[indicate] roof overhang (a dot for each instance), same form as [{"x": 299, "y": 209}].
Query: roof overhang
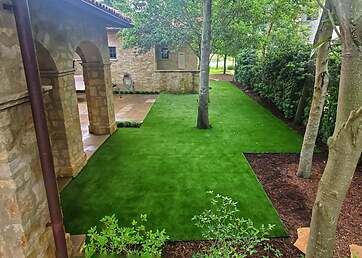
[{"x": 112, "y": 17}]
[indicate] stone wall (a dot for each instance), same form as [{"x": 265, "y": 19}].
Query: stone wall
[
  {"x": 24, "y": 211},
  {"x": 178, "y": 81},
  {"x": 145, "y": 72},
  {"x": 173, "y": 62},
  {"x": 59, "y": 29},
  {"x": 61, "y": 36}
]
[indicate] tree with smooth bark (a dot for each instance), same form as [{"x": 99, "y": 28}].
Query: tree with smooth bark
[
  {"x": 322, "y": 45},
  {"x": 345, "y": 146},
  {"x": 203, "y": 110}
]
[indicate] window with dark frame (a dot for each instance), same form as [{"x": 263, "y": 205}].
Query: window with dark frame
[
  {"x": 165, "y": 53},
  {"x": 112, "y": 53}
]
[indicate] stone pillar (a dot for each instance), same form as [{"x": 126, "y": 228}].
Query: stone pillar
[
  {"x": 24, "y": 215},
  {"x": 98, "y": 88},
  {"x": 64, "y": 123}
]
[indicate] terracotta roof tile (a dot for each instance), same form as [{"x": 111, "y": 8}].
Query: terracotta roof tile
[{"x": 109, "y": 9}]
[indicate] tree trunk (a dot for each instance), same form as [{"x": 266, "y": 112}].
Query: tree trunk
[
  {"x": 217, "y": 61},
  {"x": 203, "y": 112},
  {"x": 225, "y": 61},
  {"x": 302, "y": 103},
  {"x": 267, "y": 38},
  {"x": 344, "y": 152},
  {"x": 322, "y": 42},
  {"x": 345, "y": 146}
]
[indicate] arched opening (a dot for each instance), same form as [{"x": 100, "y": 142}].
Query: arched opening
[
  {"x": 61, "y": 110},
  {"x": 94, "y": 93}
]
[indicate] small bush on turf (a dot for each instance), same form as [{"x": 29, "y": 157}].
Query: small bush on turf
[
  {"x": 232, "y": 236},
  {"x": 230, "y": 67},
  {"x": 129, "y": 124},
  {"x": 113, "y": 240}
]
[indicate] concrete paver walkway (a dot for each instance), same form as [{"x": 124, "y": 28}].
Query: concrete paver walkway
[{"x": 127, "y": 107}]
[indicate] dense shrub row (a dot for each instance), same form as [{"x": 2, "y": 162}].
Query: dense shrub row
[{"x": 281, "y": 75}]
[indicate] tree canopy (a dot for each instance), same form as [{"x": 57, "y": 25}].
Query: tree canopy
[{"x": 236, "y": 24}]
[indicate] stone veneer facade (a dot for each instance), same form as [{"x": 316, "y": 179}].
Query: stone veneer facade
[
  {"x": 150, "y": 73},
  {"x": 24, "y": 212},
  {"x": 60, "y": 29}
]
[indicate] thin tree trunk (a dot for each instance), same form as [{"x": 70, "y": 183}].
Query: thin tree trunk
[
  {"x": 203, "y": 112},
  {"x": 302, "y": 103},
  {"x": 267, "y": 38},
  {"x": 345, "y": 146},
  {"x": 225, "y": 61},
  {"x": 322, "y": 42},
  {"x": 217, "y": 61}
]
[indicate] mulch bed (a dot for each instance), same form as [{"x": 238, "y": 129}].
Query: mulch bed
[{"x": 293, "y": 197}]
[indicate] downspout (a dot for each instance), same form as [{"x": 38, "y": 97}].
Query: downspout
[{"x": 27, "y": 46}]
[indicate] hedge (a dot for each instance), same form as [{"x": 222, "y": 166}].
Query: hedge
[{"x": 281, "y": 75}]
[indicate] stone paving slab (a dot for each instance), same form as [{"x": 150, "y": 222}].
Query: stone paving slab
[{"x": 127, "y": 107}]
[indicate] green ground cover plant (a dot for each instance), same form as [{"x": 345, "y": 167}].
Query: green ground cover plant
[
  {"x": 232, "y": 236},
  {"x": 165, "y": 168},
  {"x": 113, "y": 240}
]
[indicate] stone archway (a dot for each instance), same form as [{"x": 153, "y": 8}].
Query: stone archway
[
  {"x": 98, "y": 89},
  {"x": 62, "y": 115}
]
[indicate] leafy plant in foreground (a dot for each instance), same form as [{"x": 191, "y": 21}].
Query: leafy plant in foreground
[
  {"x": 232, "y": 236},
  {"x": 113, "y": 240}
]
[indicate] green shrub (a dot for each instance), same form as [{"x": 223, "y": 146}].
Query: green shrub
[
  {"x": 281, "y": 75},
  {"x": 119, "y": 91},
  {"x": 233, "y": 236},
  {"x": 230, "y": 67},
  {"x": 129, "y": 124},
  {"x": 113, "y": 240}
]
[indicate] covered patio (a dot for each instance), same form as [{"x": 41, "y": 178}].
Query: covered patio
[{"x": 59, "y": 29}]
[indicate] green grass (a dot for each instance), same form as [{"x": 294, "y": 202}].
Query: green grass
[
  {"x": 165, "y": 168},
  {"x": 220, "y": 70}
]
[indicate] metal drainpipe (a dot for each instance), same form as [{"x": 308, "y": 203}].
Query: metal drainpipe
[{"x": 27, "y": 46}]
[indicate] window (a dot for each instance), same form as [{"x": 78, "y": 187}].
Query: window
[
  {"x": 112, "y": 53},
  {"x": 164, "y": 53}
]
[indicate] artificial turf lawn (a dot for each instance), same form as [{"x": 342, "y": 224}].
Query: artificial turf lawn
[{"x": 165, "y": 168}]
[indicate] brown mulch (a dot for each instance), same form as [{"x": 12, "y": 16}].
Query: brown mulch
[
  {"x": 293, "y": 197},
  {"x": 185, "y": 249}
]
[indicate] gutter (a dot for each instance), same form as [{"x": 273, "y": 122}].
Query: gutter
[{"x": 23, "y": 25}]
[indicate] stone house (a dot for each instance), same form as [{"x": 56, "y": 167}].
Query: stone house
[
  {"x": 161, "y": 69},
  {"x": 60, "y": 28}
]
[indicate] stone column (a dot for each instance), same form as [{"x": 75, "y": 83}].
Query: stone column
[
  {"x": 98, "y": 88},
  {"x": 64, "y": 123},
  {"x": 24, "y": 215}
]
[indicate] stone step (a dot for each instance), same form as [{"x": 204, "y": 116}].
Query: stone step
[{"x": 77, "y": 245}]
